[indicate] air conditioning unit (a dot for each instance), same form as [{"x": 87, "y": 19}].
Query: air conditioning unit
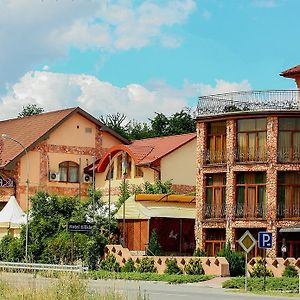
[
  {"x": 53, "y": 176},
  {"x": 86, "y": 178}
]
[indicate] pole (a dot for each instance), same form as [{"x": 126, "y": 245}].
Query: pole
[
  {"x": 7, "y": 137},
  {"x": 109, "y": 191},
  {"x": 124, "y": 243},
  {"x": 79, "y": 184},
  {"x": 94, "y": 188},
  {"x": 265, "y": 269},
  {"x": 246, "y": 271}
]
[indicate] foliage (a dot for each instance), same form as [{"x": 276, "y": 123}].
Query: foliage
[
  {"x": 260, "y": 269},
  {"x": 125, "y": 193},
  {"x": 290, "y": 271},
  {"x": 199, "y": 252},
  {"x": 158, "y": 187},
  {"x": 194, "y": 267},
  {"x": 49, "y": 241},
  {"x": 257, "y": 284},
  {"x": 153, "y": 246},
  {"x": 30, "y": 110},
  {"x": 129, "y": 266},
  {"x": 181, "y": 278},
  {"x": 146, "y": 265},
  {"x": 161, "y": 125},
  {"x": 172, "y": 266},
  {"x": 110, "y": 264},
  {"x": 235, "y": 259}
]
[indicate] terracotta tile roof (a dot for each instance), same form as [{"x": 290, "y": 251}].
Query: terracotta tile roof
[
  {"x": 147, "y": 151},
  {"x": 290, "y": 72},
  {"x": 29, "y": 131}
]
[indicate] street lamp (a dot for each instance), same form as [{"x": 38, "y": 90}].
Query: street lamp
[{"x": 7, "y": 137}]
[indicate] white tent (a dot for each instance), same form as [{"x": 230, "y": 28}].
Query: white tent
[{"x": 12, "y": 215}]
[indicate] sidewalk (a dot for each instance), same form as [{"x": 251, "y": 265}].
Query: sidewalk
[{"x": 214, "y": 283}]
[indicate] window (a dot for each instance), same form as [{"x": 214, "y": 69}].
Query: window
[
  {"x": 139, "y": 171},
  {"x": 110, "y": 172},
  {"x": 288, "y": 204},
  {"x": 215, "y": 196},
  {"x": 252, "y": 140},
  {"x": 216, "y": 142},
  {"x": 127, "y": 166},
  {"x": 215, "y": 240},
  {"x": 119, "y": 166},
  {"x": 69, "y": 171},
  {"x": 289, "y": 139},
  {"x": 250, "y": 195}
]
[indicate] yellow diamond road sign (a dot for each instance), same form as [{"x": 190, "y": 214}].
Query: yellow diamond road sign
[{"x": 247, "y": 241}]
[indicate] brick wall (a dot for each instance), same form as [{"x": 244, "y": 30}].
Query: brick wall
[{"x": 231, "y": 167}]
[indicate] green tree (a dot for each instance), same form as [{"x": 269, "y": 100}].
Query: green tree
[
  {"x": 181, "y": 122},
  {"x": 154, "y": 246},
  {"x": 116, "y": 122},
  {"x": 30, "y": 110},
  {"x": 160, "y": 125}
]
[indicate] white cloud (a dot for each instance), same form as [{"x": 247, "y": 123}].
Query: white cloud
[
  {"x": 33, "y": 32},
  {"x": 54, "y": 91}
]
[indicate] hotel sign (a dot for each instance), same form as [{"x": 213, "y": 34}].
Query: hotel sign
[
  {"x": 80, "y": 227},
  {"x": 6, "y": 182}
]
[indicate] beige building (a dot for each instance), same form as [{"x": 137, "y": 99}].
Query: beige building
[
  {"x": 162, "y": 158},
  {"x": 59, "y": 145}
]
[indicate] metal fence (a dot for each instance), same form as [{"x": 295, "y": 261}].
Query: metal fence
[{"x": 41, "y": 267}]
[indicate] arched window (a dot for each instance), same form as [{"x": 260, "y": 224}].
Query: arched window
[{"x": 69, "y": 171}]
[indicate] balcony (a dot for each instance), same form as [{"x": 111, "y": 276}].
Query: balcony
[
  {"x": 212, "y": 212},
  {"x": 247, "y": 100},
  {"x": 250, "y": 212},
  {"x": 288, "y": 211}
]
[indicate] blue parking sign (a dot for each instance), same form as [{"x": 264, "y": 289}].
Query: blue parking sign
[{"x": 265, "y": 240}]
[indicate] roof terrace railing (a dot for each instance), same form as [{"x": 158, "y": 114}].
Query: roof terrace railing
[{"x": 248, "y": 101}]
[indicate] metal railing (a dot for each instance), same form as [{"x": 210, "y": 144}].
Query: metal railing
[
  {"x": 215, "y": 213},
  {"x": 247, "y": 100},
  {"x": 284, "y": 212},
  {"x": 243, "y": 213},
  {"x": 40, "y": 267}
]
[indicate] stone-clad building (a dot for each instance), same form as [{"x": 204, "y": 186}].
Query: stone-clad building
[{"x": 248, "y": 170}]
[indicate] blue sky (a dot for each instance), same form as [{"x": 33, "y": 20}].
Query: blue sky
[{"x": 141, "y": 57}]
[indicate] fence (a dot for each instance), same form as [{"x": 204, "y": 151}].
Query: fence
[{"x": 40, "y": 267}]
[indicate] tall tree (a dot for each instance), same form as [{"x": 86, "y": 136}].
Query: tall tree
[
  {"x": 116, "y": 122},
  {"x": 30, "y": 110},
  {"x": 181, "y": 122},
  {"x": 160, "y": 125}
]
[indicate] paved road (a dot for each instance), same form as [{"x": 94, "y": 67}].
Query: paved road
[
  {"x": 165, "y": 291},
  {"x": 151, "y": 290}
]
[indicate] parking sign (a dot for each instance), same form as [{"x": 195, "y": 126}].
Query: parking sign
[{"x": 265, "y": 240}]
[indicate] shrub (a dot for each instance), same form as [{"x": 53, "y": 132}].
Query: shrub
[
  {"x": 154, "y": 246},
  {"x": 146, "y": 265},
  {"x": 235, "y": 259},
  {"x": 172, "y": 267},
  {"x": 260, "y": 269},
  {"x": 129, "y": 266},
  {"x": 199, "y": 252},
  {"x": 290, "y": 271},
  {"x": 194, "y": 267},
  {"x": 110, "y": 264}
]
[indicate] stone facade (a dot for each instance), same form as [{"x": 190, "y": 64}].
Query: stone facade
[{"x": 230, "y": 223}]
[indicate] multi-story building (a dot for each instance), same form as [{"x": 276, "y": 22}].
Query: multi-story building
[{"x": 248, "y": 170}]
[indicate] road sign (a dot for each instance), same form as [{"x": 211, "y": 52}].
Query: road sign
[
  {"x": 265, "y": 240},
  {"x": 247, "y": 241}
]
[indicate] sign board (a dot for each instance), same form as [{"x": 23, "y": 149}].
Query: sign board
[
  {"x": 247, "y": 241},
  {"x": 265, "y": 240},
  {"x": 80, "y": 227}
]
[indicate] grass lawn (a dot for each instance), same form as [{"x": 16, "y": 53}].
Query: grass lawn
[{"x": 148, "y": 276}]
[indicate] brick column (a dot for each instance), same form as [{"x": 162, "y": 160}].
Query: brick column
[
  {"x": 200, "y": 189},
  {"x": 230, "y": 179},
  {"x": 271, "y": 190}
]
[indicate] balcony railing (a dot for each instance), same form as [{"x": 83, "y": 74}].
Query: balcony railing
[
  {"x": 214, "y": 212},
  {"x": 283, "y": 211},
  {"x": 250, "y": 213},
  {"x": 247, "y": 100}
]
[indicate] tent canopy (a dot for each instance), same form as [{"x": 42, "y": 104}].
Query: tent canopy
[
  {"x": 150, "y": 209},
  {"x": 12, "y": 215}
]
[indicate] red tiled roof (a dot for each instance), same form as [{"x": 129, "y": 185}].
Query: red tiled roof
[
  {"x": 290, "y": 72},
  {"x": 31, "y": 130},
  {"x": 148, "y": 151}
]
